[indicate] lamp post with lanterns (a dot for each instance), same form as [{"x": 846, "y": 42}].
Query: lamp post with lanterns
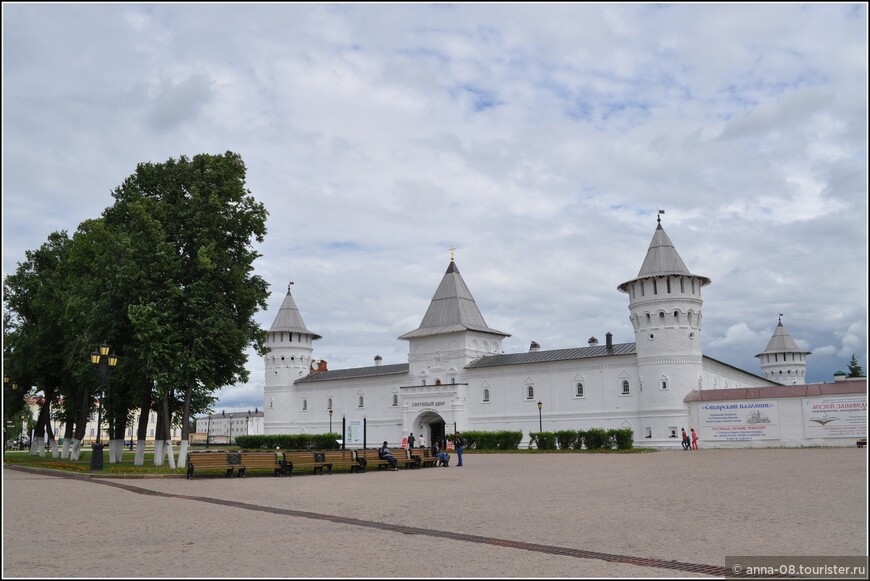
[
  {"x": 540, "y": 421},
  {"x": 208, "y": 431},
  {"x": 104, "y": 363},
  {"x": 330, "y": 420},
  {"x": 21, "y": 415}
]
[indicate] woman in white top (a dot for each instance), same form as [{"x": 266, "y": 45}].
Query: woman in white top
[{"x": 421, "y": 441}]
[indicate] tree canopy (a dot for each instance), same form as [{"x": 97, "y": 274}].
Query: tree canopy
[{"x": 165, "y": 276}]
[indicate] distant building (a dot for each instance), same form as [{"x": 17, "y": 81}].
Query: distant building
[{"x": 223, "y": 428}]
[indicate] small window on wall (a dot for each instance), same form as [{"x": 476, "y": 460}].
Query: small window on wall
[
  {"x": 329, "y": 404},
  {"x": 579, "y": 390},
  {"x": 395, "y": 400},
  {"x": 673, "y": 431},
  {"x": 304, "y": 404},
  {"x": 530, "y": 393},
  {"x": 485, "y": 395},
  {"x": 626, "y": 388},
  {"x": 664, "y": 383},
  {"x": 360, "y": 402},
  {"x": 649, "y": 432}
]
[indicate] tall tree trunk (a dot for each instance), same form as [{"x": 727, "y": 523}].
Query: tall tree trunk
[
  {"x": 81, "y": 425},
  {"x": 37, "y": 441},
  {"x": 142, "y": 429},
  {"x": 67, "y": 439},
  {"x": 167, "y": 429},
  {"x": 185, "y": 425},
  {"x": 159, "y": 440}
]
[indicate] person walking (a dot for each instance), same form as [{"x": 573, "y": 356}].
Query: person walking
[
  {"x": 694, "y": 439},
  {"x": 686, "y": 444},
  {"x": 422, "y": 441},
  {"x": 460, "y": 446},
  {"x": 411, "y": 440},
  {"x": 385, "y": 454}
]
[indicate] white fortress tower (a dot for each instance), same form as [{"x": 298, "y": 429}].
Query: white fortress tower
[
  {"x": 783, "y": 361},
  {"x": 452, "y": 334},
  {"x": 290, "y": 343},
  {"x": 665, "y": 305}
]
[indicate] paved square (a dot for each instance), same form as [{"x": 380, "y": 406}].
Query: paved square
[{"x": 690, "y": 507}]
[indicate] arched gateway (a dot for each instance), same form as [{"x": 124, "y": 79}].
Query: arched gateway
[{"x": 431, "y": 425}]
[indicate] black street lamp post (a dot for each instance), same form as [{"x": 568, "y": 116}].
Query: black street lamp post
[
  {"x": 208, "y": 431},
  {"x": 330, "y": 420},
  {"x": 540, "y": 421},
  {"x": 6, "y": 382},
  {"x": 104, "y": 364}
]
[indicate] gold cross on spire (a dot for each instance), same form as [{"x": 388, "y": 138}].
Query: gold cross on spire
[{"x": 452, "y": 254}]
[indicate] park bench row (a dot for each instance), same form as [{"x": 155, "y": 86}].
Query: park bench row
[{"x": 284, "y": 463}]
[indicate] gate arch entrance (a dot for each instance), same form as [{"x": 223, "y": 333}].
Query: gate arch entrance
[{"x": 431, "y": 425}]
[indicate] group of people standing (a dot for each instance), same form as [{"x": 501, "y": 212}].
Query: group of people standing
[
  {"x": 690, "y": 443},
  {"x": 437, "y": 451}
]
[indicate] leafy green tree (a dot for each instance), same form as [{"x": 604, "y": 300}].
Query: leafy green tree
[
  {"x": 34, "y": 299},
  {"x": 855, "y": 370},
  {"x": 191, "y": 224}
]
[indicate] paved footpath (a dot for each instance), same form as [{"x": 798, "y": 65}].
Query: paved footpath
[{"x": 663, "y": 514}]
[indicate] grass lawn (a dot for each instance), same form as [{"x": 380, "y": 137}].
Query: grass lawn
[{"x": 126, "y": 467}]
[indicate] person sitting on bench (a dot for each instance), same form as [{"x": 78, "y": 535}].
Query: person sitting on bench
[
  {"x": 384, "y": 454},
  {"x": 442, "y": 456}
]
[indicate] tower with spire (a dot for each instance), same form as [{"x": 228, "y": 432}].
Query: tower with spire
[
  {"x": 452, "y": 334},
  {"x": 665, "y": 310},
  {"x": 783, "y": 361},
  {"x": 290, "y": 345}
]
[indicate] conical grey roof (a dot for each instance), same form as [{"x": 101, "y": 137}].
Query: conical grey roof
[
  {"x": 452, "y": 310},
  {"x": 289, "y": 319},
  {"x": 781, "y": 342},
  {"x": 662, "y": 260}
]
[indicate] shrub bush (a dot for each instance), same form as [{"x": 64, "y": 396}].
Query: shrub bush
[
  {"x": 596, "y": 439},
  {"x": 567, "y": 439},
  {"x": 623, "y": 438},
  {"x": 501, "y": 440},
  {"x": 289, "y": 442},
  {"x": 542, "y": 440}
]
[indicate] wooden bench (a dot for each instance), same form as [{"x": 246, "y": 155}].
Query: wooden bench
[
  {"x": 342, "y": 458},
  {"x": 373, "y": 458},
  {"x": 425, "y": 456},
  {"x": 861, "y": 443},
  {"x": 212, "y": 461},
  {"x": 313, "y": 460},
  {"x": 264, "y": 460}
]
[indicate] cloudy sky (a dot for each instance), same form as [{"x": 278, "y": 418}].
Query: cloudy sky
[{"x": 538, "y": 140}]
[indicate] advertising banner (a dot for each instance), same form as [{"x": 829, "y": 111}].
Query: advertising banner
[
  {"x": 739, "y": 421},
  {"x": 842, "y": 416}
]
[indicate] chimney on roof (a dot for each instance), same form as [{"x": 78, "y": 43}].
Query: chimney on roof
[
  {"x": 609, "y": 337},
  {"x": 593, "y": 342},
  {"x": 535, "y": 346},
  {"x": 378, "y": 360}
]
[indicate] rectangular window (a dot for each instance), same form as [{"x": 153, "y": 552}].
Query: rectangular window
[{"x": 673, "y": 431}]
